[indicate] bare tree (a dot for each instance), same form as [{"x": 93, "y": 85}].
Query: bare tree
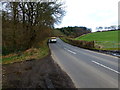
[{"x": 29, "y": 22}]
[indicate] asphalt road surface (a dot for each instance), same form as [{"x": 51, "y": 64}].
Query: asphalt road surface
[{"x": 87, "y": 69}]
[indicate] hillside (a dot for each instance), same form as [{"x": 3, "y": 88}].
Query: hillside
[
  {"x": 106, "y": 40},
  {"x": 74, "y": 31},
  {"x": 57, "y": 33}
]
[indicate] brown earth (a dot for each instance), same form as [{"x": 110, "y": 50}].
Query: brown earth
[{"x": 43, "y": 73}]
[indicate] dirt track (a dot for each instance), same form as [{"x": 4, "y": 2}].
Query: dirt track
[{"x": 34, "y": 73}]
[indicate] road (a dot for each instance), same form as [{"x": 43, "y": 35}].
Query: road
[{"x": 87, "y": 69}]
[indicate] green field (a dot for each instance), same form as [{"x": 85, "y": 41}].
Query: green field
[{"x": 103, "y": 40}]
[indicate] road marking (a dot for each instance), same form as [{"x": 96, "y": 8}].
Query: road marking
[
  {"x": 70, "y": 51},
  {"x": 106, "y": 67},
  {"x": 92, "y": 51},
  {"x": 97, "y": 57}
]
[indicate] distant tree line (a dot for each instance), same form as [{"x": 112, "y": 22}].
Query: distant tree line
[
  {"x": 75, "y": 31},
  {"x": 113, "y": 27},
  {"x": 24, "y": 24}
]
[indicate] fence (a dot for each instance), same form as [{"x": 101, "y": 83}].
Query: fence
[{"x": 107, "y": 45}]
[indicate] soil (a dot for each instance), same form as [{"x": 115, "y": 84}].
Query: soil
[{"x": 43, "y": 73}]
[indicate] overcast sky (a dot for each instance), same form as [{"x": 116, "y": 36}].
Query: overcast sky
[{"x": 90, "y": 13}]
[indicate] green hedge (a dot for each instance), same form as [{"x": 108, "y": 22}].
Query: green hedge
[{"x": 80, "y": 43}]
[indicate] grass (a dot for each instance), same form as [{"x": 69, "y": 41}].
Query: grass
[
  {"x": 32, "y": 53},
  {"x": 64, "y": 39},
  {"x": 100, "y": 36},
  {"x": 103, "y": 40}
]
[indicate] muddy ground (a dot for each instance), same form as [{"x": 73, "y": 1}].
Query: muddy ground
[{"x": 43, "y": 73}]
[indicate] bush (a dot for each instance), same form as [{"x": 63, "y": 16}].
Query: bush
[{"x": 82, "y": 44}]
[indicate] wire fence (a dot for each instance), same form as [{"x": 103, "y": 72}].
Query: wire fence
[{"x": 107, "y": 44}]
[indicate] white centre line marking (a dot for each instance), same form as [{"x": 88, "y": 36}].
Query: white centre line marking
[
  {"x": 70, "y": 51},
  {"x": 106, "y": 67}
]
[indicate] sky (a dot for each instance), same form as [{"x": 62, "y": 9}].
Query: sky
[{"x": 90, "y": 13}]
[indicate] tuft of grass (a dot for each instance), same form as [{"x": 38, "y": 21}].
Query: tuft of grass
[{"x": 32, "y": 53}]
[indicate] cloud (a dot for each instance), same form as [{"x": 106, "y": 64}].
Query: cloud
[{"x": 90, "y": 13}]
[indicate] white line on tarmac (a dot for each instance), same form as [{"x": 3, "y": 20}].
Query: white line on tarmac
[
  {"x": 106, "y": 67},
  {"x": 70, "y": 51}
]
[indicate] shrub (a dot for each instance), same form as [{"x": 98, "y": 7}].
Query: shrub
[{"x": 82, "y": 44}]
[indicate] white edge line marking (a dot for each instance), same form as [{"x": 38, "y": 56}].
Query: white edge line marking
[
  {"x": 106, "y": 67},
  {"x": 70, "y": 51}
]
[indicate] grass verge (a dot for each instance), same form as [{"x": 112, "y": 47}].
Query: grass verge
[
  {"x": 64, "y": 39},
  {"x": 32, "y": 53}
]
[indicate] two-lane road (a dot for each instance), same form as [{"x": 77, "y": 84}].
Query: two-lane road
[{"x": 86, "y": 68}]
